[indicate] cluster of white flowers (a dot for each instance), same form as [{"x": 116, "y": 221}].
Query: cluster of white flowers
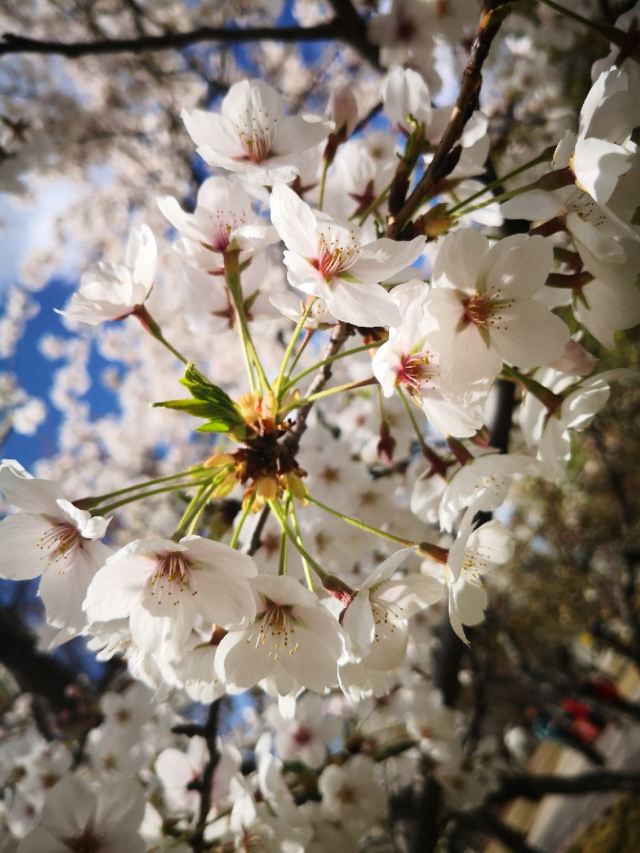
[{"x": 282, "y": 547}]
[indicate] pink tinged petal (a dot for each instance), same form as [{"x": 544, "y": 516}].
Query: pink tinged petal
[
  {"x": 142, "y": 256},
  {"x": 90, "y": 526},
  {"x": 295, "y": 133},
  {"x": 243, "y": 660},
  {"x": 21, "y": 554},
  {"x": 361, "y": 304},
  {"x": 390, "y": 644},
  {"x": 534, "y": 205},
  {"x": 294, "y": 221},
  {"x": 63, "y": 588},
  {"x": 459, "y": 259},
  {"x": 609, "y": 309},
  {"x": 517, "y": 266},
  {"x": 27, "y": 492},
  {"x": 387, "y": 568},
  {"x": 284, "y": 590},
  {"x": 41, "y": 841},
  {"x": 304, "y": 276},
  {"x": 212, "y": 133},
  {"x": 181, "y": 221},
  {"x": 223, "y": 598},
  {"x": 358, "y": 622},
  {"x": 153, "y": 633},
  {"x": 318, "y": 620},
  {"x": 604, "y": 247},
  {"x": 383, "y": 258},
  {"x": 470, "y": 359},
  {"x": 69, "y": 808},
  {"x": 461, "y": 420},
  {"x": 597, "y": 165},
  {"x": 554, "y": 449},
  {"x": 121, "y": 806},
  {"x": 312, "y": 663},
  {"x": 527, "y": 334},
  {"x": 471, "y": 602},
  {"x": 117, "y": 587},
  {"x": 412, "y": 593},
  {"x": 216, "y": 554},
  {"x": 119, "y": 840}
]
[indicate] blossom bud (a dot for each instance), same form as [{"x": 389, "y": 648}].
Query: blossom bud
[
  {"x": 575, "y": 360},
  {"x": 343, "y": 110}
]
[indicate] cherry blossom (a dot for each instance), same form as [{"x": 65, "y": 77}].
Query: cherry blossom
[
  {"x": 51, "y": 538},
  {"x": 327, "y": 259},
  {"x": 76, "y": 818},
  {"x": 163, "y": 587},
  {"x": 251, "y": 134},
  {"x": 292, "y": 638},
  {"x": 482, "y": 311},
  {"x": 111, "y": 291}
]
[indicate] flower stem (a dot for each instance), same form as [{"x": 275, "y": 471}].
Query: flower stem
[
  {"x": 245, "y": 514},
  {"x": 612, "y": 34},
  {"x": 94, "y": 500},
  {"x": 232, "y": 278},
  {"x": 323, "y": 183},
  {"x": 155, "y": 331},
  {"x": 338, "y": 389},
  {"x": 374, "y": 204},
  {"x": 173, "y": 488},
  {"x": 291, "y": 382},
  {"x": 362, "y": 525},
  {"x": 544, "y": 157},
  {"x": 277, "y": 511},
  {"x": 287, "y": 355},
  {"x": 282, "y": 556}
]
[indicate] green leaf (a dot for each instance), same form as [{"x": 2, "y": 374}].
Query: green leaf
[
  {"x": 209, "y": 402},
  {"x": 214, "y": 426}
]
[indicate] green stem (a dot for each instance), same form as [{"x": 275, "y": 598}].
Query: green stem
[
  {"x": 611, "y": 34},
  {"x": 282, "y": 556},
  {"x": 338, "y": 389},
  {"x": 305, "y": 563},
  {"x": 238, "y": 528},
  {"x": 206, "y": 496},
  {"x": 90, "y": 502},
  {"x": 362, "y": 525},
  {"x": 545, "y": 157},
  {"x": 374, "y": 205},
  {"x": 307, "y": 337},
  {"x": 174, "y": 488},
  {"x": 287, "y": 355},
  {"x": 154, "y": 329},
  {"x": 232, "y": 277},
  {"x": 277, "y": 511},
  {"x": 296, "y": 379},
  {"x": 323, "y": 183},
  {"x": 412, "y": 418}
]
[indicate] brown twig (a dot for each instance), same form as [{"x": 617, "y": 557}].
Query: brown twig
[{"x": 446, "y": 155}]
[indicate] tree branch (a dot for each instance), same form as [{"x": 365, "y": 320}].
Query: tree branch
[
  {"x": 446, "y": 157},
  {"x": 535, "y": 787},
  {"x": 338, "y": 28}
]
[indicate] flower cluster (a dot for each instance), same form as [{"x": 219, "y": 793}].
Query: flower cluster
[{"x": 343, "y": 311}]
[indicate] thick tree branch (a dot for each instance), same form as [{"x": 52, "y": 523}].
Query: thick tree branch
[
  {"x": 35, "y": 671},
  {"x": 446, "y": 155},
  {"x": 535, "y": 787},
  {"x": 338, "y": 28}
]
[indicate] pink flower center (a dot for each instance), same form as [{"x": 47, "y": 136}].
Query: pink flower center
[
  {"x": 302, "y": 736},
  {"x": 87, "y": 842},
  {"x": 484, "y": 309},
  {"x": 59, "y": 541},
  {"x": 171, "y": 576},
  {"x": 334, "y": 258},
  {"x": 276, "y": 630},
  {"x": 415, "y": 372},
  {"x": 256, "y": 146}
]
